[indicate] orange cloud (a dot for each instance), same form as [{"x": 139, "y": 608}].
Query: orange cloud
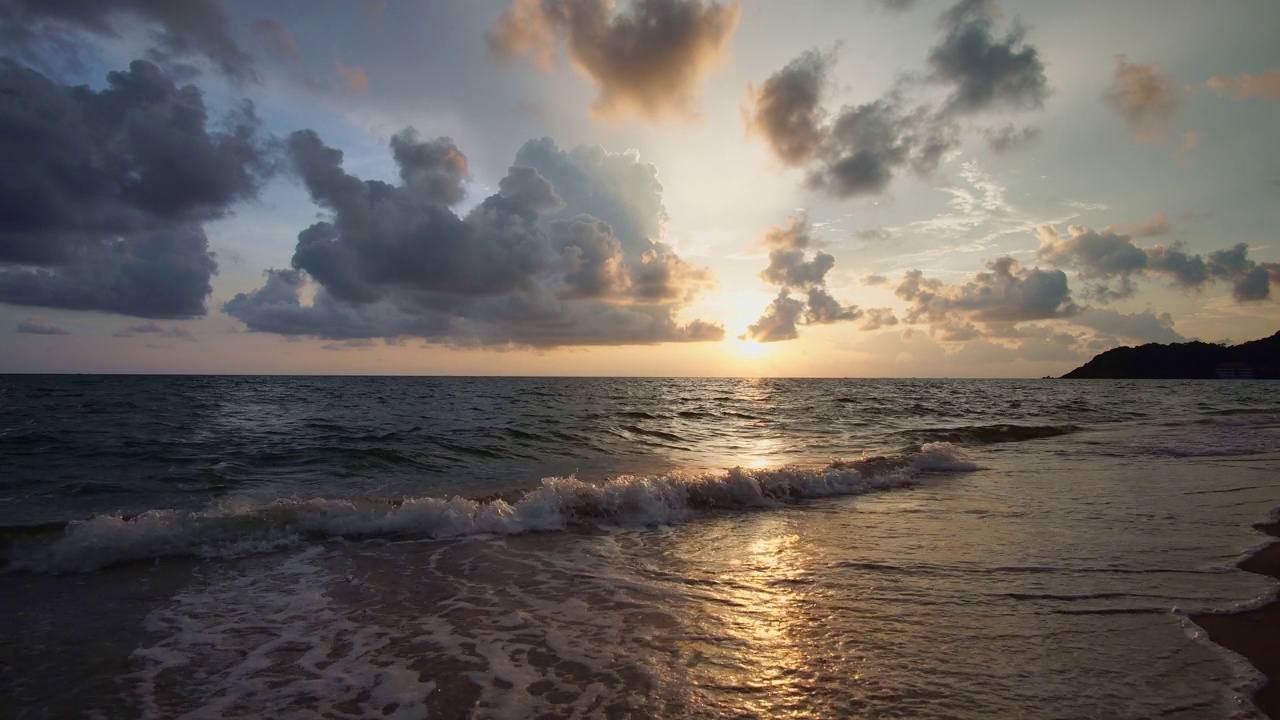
[
  {"x": 648, "y": 60},
  {"x": 1145, "y": 97},
  {"x": 1247, "y": 85},
  {"x": 356, "y": 82}
]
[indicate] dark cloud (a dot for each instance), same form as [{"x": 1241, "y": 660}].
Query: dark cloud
[
  {"x": 1008, "y": 137},
  {"x": 1145, "y": 97},
  {"x": 1115, "y": 261},
  {"x": 868, "y": 144},
  {"x": 275, "y": 37},
  {"x": 786, "y": 109},
  {"x": 861, "y": 149},
  {"x": 531, "y": 265},
  {"x": 1006, "y": 293},
  {"x": 792, "y": 268},
  {"x": 105, "y": 192},
  {"x": 778, "y": 321},
  {"x": 823, "y": 309},
  {"x": 39, "y": 326},
  {"x": 789, "y": 268},
  {"x": 182, "y": 29},
  {"x": 985, "y": 71},
  {"x": 648, "y": 60}
]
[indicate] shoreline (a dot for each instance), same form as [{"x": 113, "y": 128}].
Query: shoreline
[{"x": 1254, "y": 634}]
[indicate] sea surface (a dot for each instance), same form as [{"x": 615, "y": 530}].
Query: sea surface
[{"x": 242, "y": 547}]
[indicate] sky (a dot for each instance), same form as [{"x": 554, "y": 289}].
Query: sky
[{"x": 863, "y": 188}]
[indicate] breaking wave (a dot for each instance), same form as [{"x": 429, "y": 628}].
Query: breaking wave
[{"x": 231, "y": 528}]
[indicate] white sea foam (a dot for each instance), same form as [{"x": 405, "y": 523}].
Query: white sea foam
[
  {"x": 273, "y": 644},
  {"x": 235, "y": 528}
]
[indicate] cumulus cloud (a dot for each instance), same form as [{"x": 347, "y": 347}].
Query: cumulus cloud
[
  {"x": 648, "y": 60},
  {"x": 1114, "y": 261},
  {"x": 1248, "y": 85},
  {"x": 181, "y": 29},
  {"x": 862, "y": 148},
  {"x": 1006, "y": 293},
  {"x": 793, "y": 268},
  {"x": 1145, "y": 97},
  {"x": 786, "y": 109},
  {"x": 39, "y": 326},
  {"x": 986, "y": 71},
  {"x": 533, "y": 265},
  {"x": 877, "y": 318},
  {"x": 869, "y": 144},
  {"x": 779, "y": 321},
  {"x": 106, "y": 192}
]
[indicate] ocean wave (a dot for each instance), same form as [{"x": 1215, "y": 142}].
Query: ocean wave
[
  {"x": 234, "y": 528},
  {"x": 988, "y": 434}
]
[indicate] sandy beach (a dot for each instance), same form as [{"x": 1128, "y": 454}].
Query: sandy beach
[{"x": 1255, "y": 634}]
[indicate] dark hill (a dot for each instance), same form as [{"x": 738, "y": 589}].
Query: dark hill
[{"x": 1192, "y": 360}]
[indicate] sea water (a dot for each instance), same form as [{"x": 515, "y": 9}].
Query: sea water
[{"x": 521, "y": 547}]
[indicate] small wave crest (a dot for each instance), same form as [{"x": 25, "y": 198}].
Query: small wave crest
[
  {"x": 988, "y": 434},
  {"x": 236, "y": 528}
]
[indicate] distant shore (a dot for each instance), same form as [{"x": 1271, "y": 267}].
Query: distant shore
[{"x": 1255, "y": 634}]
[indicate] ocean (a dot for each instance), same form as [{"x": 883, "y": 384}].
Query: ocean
[{"x": 241, "y": 547}]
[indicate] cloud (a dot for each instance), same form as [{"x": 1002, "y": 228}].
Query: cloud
[
  {"x": 182, "y": 29},
  {"x": 355, "y": 83},
  {"x": 1247, "y": 85},
  {"x": 778, "y": 321},
  {"x": 152, "y": 327},
  {"x": 869, "y": 144},
  {"x": 106, "y": 192},
  {"x": 1145, "y": 97},
  {"x": 879, "y": 318},
  {"x": 648, "y": 60},
  {"x": 275, "y": 37},
  {"x": 823, "y": 309},
  {"x": 786, "y": 109},
  {"x": 39, "y": 326},
  {"x": 792, "y": 268},
  {"x": 1107, "y": 256},
  {"x": 896, "y": 6},
  {"x": 1141, "y": 327},
  {"x": 986, "y": 72},
  {"x": 861, "y": 149},
  {"x": 532, "y": 265},
  {"x": 1006, "y": 293},
  {"x": 874, "y": 280},
  {"x": 1158, "y": 225},
  {"x": 1007, "y": 138},
  {"x": 877, "y": 234}
]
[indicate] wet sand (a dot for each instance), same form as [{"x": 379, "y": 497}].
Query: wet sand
[{"x": 1255, "y": 634}]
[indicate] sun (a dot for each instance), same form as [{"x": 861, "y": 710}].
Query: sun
[{"x": 747, "y": 348}]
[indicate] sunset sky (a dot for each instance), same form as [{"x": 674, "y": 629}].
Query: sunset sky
[{"x": 866, "y": 188}]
